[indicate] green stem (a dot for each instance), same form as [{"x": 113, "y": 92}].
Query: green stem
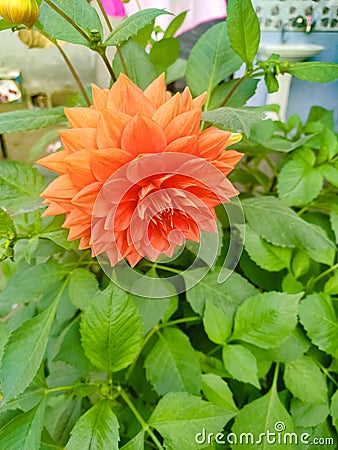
[
  {"x": 123, "y": 61},
  {"x": 275, "y": 377},
  {"x": 105, "y": 16},
  {"x": 178, "y": 321},
  {"x": 68, "y": 19},
  {"x": 74, "y": 73},
  {"x": 323, "y": 274},
  {"x": 233, "y": 90},
  {"x": 140, "y": 419},
  {"x": 327, "y": 373},
  {"x": 303, "y": 210},
  {"x": 68, "y": 388},
  {"x": 138, "y": 5},
  {"x": 103, "y": 55}
]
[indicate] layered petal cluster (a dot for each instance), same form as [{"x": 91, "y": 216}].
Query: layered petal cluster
[{"x": 137, "y": 175}]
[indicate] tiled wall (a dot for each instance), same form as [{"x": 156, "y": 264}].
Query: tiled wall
[{"x": 273, "y": 14}]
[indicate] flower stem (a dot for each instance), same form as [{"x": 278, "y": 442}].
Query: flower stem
[
  {"x": 326, "y": 272},
  {"x": 138, "y": 5},
  {"x": 233, "y": 90},
  {"x": 140, "y": 419},
  {"x": 73, "y": 72},
  {"x": 103, "y": 55}
]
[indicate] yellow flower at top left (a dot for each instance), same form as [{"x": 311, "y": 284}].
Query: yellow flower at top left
[{"x": 20, "y": 12}]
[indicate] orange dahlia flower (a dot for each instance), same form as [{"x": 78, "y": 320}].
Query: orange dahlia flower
[{"x": 137, "y": 175}]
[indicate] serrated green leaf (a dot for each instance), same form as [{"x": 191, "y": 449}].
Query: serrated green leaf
[
  {"x": 140, "y": 68},
  {"x": 265, "y": 255},
  {"x": 258, "y": 417},
  {"x": 111, "y": 330},
  {"x": 266, "y": 319},
  {"x": 307, "y": 414},
  {"x": 24, "y": 353},
  {"x": 132, "y": 25},
  {"x": 244, "y": 29},
  {"x": 318, "y": 72},
  {"x": 20, "y": 185},
  {"x": 299, "y": 183},
  {"x": 334, "y": 223},
  {"x": 330, "y": 173},
  {"x": 319, "y": 319},
  {"x": 300, "y": 263},
  {"x": 61, "y": 414},
  {"x": 172, "y": 364},
  {"x": 290, "y": 285},
  {"x": 241, "y": 364},
  {"x": 24, "y": 431},
  {"x": 212, "y": 59},
  {"x": 305, "y": 380},
  {"x": 235, "y": 119},
  {"x": 15, "y": 121},
  {"x": 217, "y": 325},
  {"x": 81, "y": 12},
  {"x": 334, "y": 409},
  {"x": 82, "y": 287},
  {"x": 179, "y": 417},
  {"x": 227, "y": 295},
  {"x": 239, "y": 97},
  {"x": 7, "y": 227},
  {"x": 97, "y": 429},
  {"x": 137, "y": 443},
  {"x": 279, "y": 225},
  {"x": 217, "y": 391},
  {"x": 331, "y": 286},
  {"x": 38, "y": 279}
]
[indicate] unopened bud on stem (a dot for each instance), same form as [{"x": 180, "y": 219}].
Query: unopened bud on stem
[{"x": 20, "y": 12}]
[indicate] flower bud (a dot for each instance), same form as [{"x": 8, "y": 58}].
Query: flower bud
[{"x": 19, "y": 12}]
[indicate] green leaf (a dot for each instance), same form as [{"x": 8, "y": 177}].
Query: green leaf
[
  {"x": 305, "y": 380},
  {"x": 334, "y": 409},
  {"x": 24, "y": 431},
  {"x": 97, "y": 429},
  {"x": 164, "y": 53},
  {"x": 5, "y": 25},
  {"x": 241, "y": 364},
  {"x": 279, "y": 225},
  {"x": 217, "y": 391},
  {"x": 15, "y": 121},
  {"x": 261, "y": 416},
  {"x": 265, "y": 255},
  {"x": 271, "y": 82},
  {"x": 244, "y": 29},
  {"x": 7, "y": 227},
  {"x": 176, "y": 71},
  {"x": 140, "y": 68},
  {"x": 330, "y": 173},
  {"x": 331, "y": 286},
  {"x": 334, "y": 223},
  {"x": 38, "y": 279},
  {"x": 137, "y": 443},
  {"x": 235, "y": 119},
  {"x": 24, "y": 353},
  {"x": 299, "y": 182},
  {"x": 300, "y": 263},
  {"x": 211, "y": 60},
  {"x": 318, "y": 72},
  {"x": 111, "y": 330},
  {"x": 175, "y": 25},
  {"x": 84, "y": 15},
  {"x": 307, "y": 414},
  {"x": 82, "y": 287},
  {"x": 238, "y": 98},
  {"x": 172, "y": 364},
  {"x": 20, "y": 185},
  {"x": 61, "y": 414},
  {"x": 179, "y": 417},
  {"x": 266, "y": 319},
  {"x": 318, "y": 316},
  {"x": 132, "y": 25},
  {"x": 227, "y": 295},
  {"x": 216, "y": 324}
]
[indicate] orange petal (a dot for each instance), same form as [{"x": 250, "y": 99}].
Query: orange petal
[
  {"x": 126, "y": 97},
  {"x": 156, "y": 91},
  {"x": 99, "y": 97},
  {"x": 211, "y": 142},
  {"x": 79, "y": 167},
  {"x": 198, "y": 102},
  {"x": 106, "y": 162},
  {"x": 186, "y": 99},
  {"x": 187, "y": 144},
  {"x": 54, "y": 209},
  {"x": 78, "y": 231},
  {"x": 165, "y": 114},
  {"x": 110, "y": 128},
  {"x": 62, "y": 188},
  {"x": 87, "y": 196},
  {"x": 82, "y": 117},
  {"x": 54, "y": 161},
  {"x": 85, "y": 241},
  {"x": 185, "y": 124},
  {"x": 231, "y": 157},
  {"x": 78, "y": 138},
  {"x": 143, "y": 135}
]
